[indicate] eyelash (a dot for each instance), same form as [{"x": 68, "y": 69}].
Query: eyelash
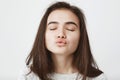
[
  {"x": 66, "y": 29},
  {"x": 52, "y": 28},
  {"x": 70, "y": 29}
]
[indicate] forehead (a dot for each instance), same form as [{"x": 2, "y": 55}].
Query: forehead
[{"x": 62, "y": 15}]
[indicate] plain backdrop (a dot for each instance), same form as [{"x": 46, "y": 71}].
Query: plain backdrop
[{"x": 19, "y": 21}]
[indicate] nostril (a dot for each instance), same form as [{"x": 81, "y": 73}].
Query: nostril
[
  {"x": 58, "y": 36},
  {"x": 61, "y": 36}
]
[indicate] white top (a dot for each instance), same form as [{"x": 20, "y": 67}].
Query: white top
[{"x": 57, "y": 76}]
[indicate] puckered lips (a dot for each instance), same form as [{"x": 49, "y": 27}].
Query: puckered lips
[{"x": 61, "y": 42}]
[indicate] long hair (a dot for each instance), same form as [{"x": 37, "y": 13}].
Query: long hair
[{"x": 40, "y": 60}]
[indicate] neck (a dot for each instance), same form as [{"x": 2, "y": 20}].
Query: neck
[{"x": 63, "y": 64}]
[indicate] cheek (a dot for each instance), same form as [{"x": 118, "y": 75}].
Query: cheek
[
  {"x": 74, "y": 41},
  {"x": 48, "y": 39}
]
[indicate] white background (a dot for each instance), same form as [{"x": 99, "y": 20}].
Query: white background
[{"x": 19, "y": 20}]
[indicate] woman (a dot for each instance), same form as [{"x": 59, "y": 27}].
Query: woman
[{"x": 61, "y": 50}]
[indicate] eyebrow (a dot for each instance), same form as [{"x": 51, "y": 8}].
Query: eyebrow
[
  {"x": 72, "y": 23},
  {"x": 52, "y": 22},
  {"x": 69, "y": 22}
]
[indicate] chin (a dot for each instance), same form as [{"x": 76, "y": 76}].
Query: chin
[{"x": 58, "y": 52}]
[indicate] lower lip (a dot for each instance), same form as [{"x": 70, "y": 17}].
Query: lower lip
[{"x": 61, "y": 44}]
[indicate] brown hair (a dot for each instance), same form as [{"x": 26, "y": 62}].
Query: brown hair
[{"x": 42, "y": 63}]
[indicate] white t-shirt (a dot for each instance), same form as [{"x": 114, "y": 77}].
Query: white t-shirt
[{"x": 57, "y": 76}]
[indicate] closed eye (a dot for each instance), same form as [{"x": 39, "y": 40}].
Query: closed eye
[
  {"x": 70, "y": 29},
  {"x": 52, "y": 28},
  {"x": 52, "y": 25}
]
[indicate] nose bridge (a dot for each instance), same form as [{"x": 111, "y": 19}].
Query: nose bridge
[{"x": 61, "y": 31}]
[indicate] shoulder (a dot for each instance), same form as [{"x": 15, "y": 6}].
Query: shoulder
[{"x": 25, "y": 74}]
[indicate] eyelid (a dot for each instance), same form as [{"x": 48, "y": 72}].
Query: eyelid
[
  {"x": 52, "y": 27},
  {"x": 70, "y": 30},
  {"x": 71, "y": 27}
]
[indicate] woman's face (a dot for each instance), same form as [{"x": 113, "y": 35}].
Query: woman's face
[{"x": 62, "y": 33}]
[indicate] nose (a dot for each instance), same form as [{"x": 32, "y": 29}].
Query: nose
[{"x": 61, "y": 34}]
